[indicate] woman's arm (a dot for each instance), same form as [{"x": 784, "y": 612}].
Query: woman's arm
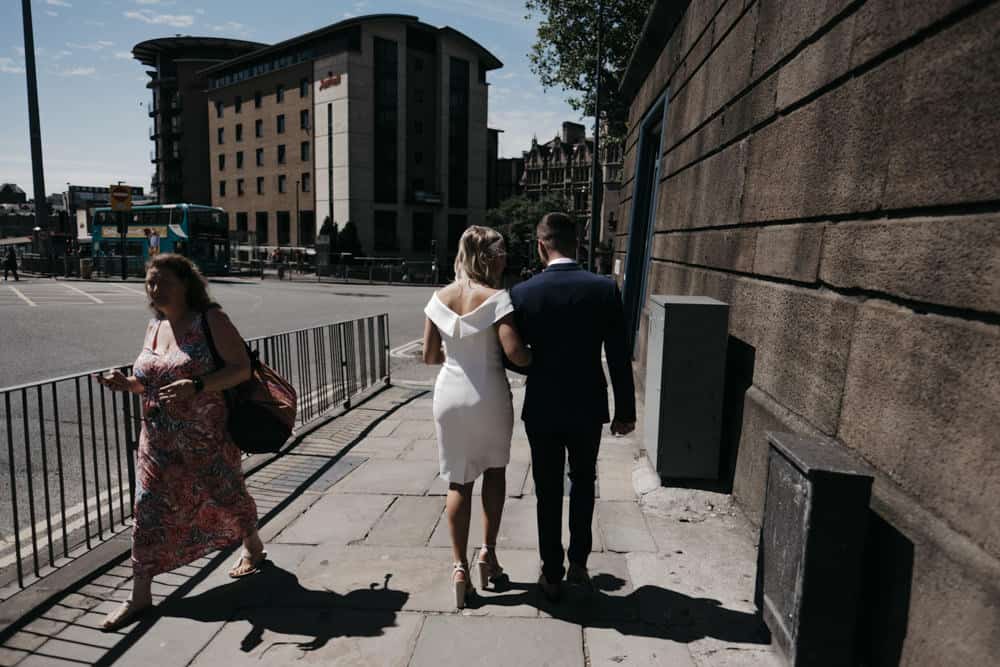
[
  {"x": 433, "y": 354},
  {"x": 229, "y": 344},
  {"x": 511, "y": 341},
  {"x": 115, "y": 380}
]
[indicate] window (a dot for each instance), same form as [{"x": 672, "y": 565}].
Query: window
[
  {"x": 262, "y": 227},
  {"x": 257, "y": 99},
  {"x": 260, "y": 157},
  {"x": 418, "y": 157},
  {"x": 238, "y": 104},
  {"x": 281, "y": 153},
  {"x": 386, "y": 107},
  {"x": 239, "y": 131},
  {"x": 221, "y": 132},
  {"x": 222, "y": 188},
  {"x": 458, "y": 133},
  {"x": 456, "y": 226},
  {"x": 307, "y": 228},
  {"x": 218, "y": 109},
  {"x": 304, "y": 119},
  {"x": 241, "y": 224},
  {"x": 418, "y": 95},
  {"x": 258, "y": 128},
  {"x": 279, "y": 94},
  {"x": 284, "y": 228},
  {"x": 385, "y": 230},
  {"x": 282, "y": 183},
  {"x": 423, "y": 231},
  {"x": 222, "y": 161},
  {"x": 240, "y": 189},
  {"x": 304, "y": 151},
  {"x": 418, "y": 127},
  {"x": 303, "y": 87},
  {"x": 306, "y": 182},
  {"x": 239, "y": 159},
  {"x": 260, "y": 185},
  {"x": 281, "y": 123},
  {"x": 418, "y": 64}
]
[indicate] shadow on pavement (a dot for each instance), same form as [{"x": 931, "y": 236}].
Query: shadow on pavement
[
  {"x": 275, "y": 601},
  {"x": 648, "y": 611}
]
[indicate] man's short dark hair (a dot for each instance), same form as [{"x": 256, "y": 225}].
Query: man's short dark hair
[{"x": 558, "y": 232}]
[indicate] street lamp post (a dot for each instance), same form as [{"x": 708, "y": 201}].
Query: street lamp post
[
  {"x": 34, "y": 126},
  {"x": 595, "y": 190}
]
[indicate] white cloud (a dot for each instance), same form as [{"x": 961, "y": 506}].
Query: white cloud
[
  {"x": 58, "y": 3},
  {"x": 9, "y": 66},
  {"x": 508, "y": 12},
  {"x": 78, "y": 71},
  {"x": 230, "y": 26},
  {"x": 19, "y": 50},
  {"x": 519, "y": 126},
  {"x": 91, "y": 46},
  {"x": 51, "y": 13},
  {"x": 99, "y": 24},
  {"x": 123, "y": 55},
  {"x": 149, "y": 16},
  {"x": 200, "y": 12},
  {"x": 506, "y": 75}
]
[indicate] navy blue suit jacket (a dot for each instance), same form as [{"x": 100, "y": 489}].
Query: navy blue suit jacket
[{"x": 566, "y": 315}]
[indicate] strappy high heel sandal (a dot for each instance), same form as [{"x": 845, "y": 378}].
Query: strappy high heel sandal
[
  {"x": 462, "y": 586},
  {"x": 488, "y": 567}
]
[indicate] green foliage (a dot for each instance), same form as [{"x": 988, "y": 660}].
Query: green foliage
[
  {"x": 516, "y": 218},
  {"x": 564, "y": 54},
  {"x": 349, "y": 241}
]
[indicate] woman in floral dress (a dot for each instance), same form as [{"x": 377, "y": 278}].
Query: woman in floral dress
[{"x": 190, "y": 498}]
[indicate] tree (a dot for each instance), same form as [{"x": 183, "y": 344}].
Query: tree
[
  {"x": 349, "y": 241},
  {"x": 516, "y": 218},
  {"x": 564, "y": 54}
]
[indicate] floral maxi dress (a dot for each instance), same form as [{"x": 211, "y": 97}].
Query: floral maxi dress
[{"x": 190, "y": 498}]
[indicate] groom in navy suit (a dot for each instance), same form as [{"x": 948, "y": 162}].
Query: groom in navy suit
[{"x": 567, "y": 315}]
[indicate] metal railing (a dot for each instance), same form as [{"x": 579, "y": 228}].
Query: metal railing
[{"x": 69, "y": 443}]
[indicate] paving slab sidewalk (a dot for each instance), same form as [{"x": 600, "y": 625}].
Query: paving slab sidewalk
[{"x": 359, "y": 571}]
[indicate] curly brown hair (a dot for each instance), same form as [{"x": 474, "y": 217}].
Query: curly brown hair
[{"x": 195, "y": 285}]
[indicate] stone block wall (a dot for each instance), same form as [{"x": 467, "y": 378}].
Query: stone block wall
[{"x": 830, "y": 169}]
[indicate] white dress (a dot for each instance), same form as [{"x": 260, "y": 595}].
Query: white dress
[{"x": 473, "y": 410}]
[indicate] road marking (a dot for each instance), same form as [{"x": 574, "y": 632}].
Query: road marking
[
  {"x": 26, "y": 299},
  {"x": 89, "y": 296},
  {"x": 133, "y": 290},
  {"x": 407, "y": 350}
]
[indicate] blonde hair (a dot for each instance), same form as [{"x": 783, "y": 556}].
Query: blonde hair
[{"x": 477, "y": 249}]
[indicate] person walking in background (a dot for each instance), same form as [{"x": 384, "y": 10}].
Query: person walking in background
[
  {"x": 566, "y": 315},
  {"x": 191, "y": 498},
  {"x": 154, "y": 243},
  {"x": 10, "y": 264},
  {"x": 473, "y": 411}
]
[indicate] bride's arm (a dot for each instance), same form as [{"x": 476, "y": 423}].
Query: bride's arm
[
  {"x": 511, "y": 341},
  {"x": 433, "y": 354}
]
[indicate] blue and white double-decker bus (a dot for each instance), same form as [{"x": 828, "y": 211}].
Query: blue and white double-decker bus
[{"x": 200, "y": 233}]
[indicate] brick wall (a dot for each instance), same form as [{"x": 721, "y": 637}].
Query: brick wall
[{"x": 830, "y": 170}]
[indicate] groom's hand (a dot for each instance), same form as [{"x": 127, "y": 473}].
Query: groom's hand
[{"x": 622, "y": 428}]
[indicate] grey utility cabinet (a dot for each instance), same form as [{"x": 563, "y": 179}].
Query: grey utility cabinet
[
  {"x": 685, "y": 379},
  {"x": 812, "y": 543}
]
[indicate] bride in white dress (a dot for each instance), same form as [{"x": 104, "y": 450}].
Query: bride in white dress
[{"x": 473, "y": 413}]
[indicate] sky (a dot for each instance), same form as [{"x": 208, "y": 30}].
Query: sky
[{"x": 92, "y": 94}]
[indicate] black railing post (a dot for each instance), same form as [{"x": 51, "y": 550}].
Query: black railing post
[
  {"x": 62, "y": 472},
  {"x": 45, "y": 474},
  {"x": 13, "y": 488},
  {"x": 30, "y": 476}
]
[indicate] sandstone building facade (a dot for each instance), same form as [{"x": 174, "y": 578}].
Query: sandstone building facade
[{"x": 820, "y": 166}]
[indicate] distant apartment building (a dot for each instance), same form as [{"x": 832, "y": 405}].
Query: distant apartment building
[
  {"x": 377, "y": 120},
  {"x": 503, "y": 175},
  {"x": 563, "y": 167},
  {"x": 180, "y": 124},
  {"x": 10, "y": 193}
]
